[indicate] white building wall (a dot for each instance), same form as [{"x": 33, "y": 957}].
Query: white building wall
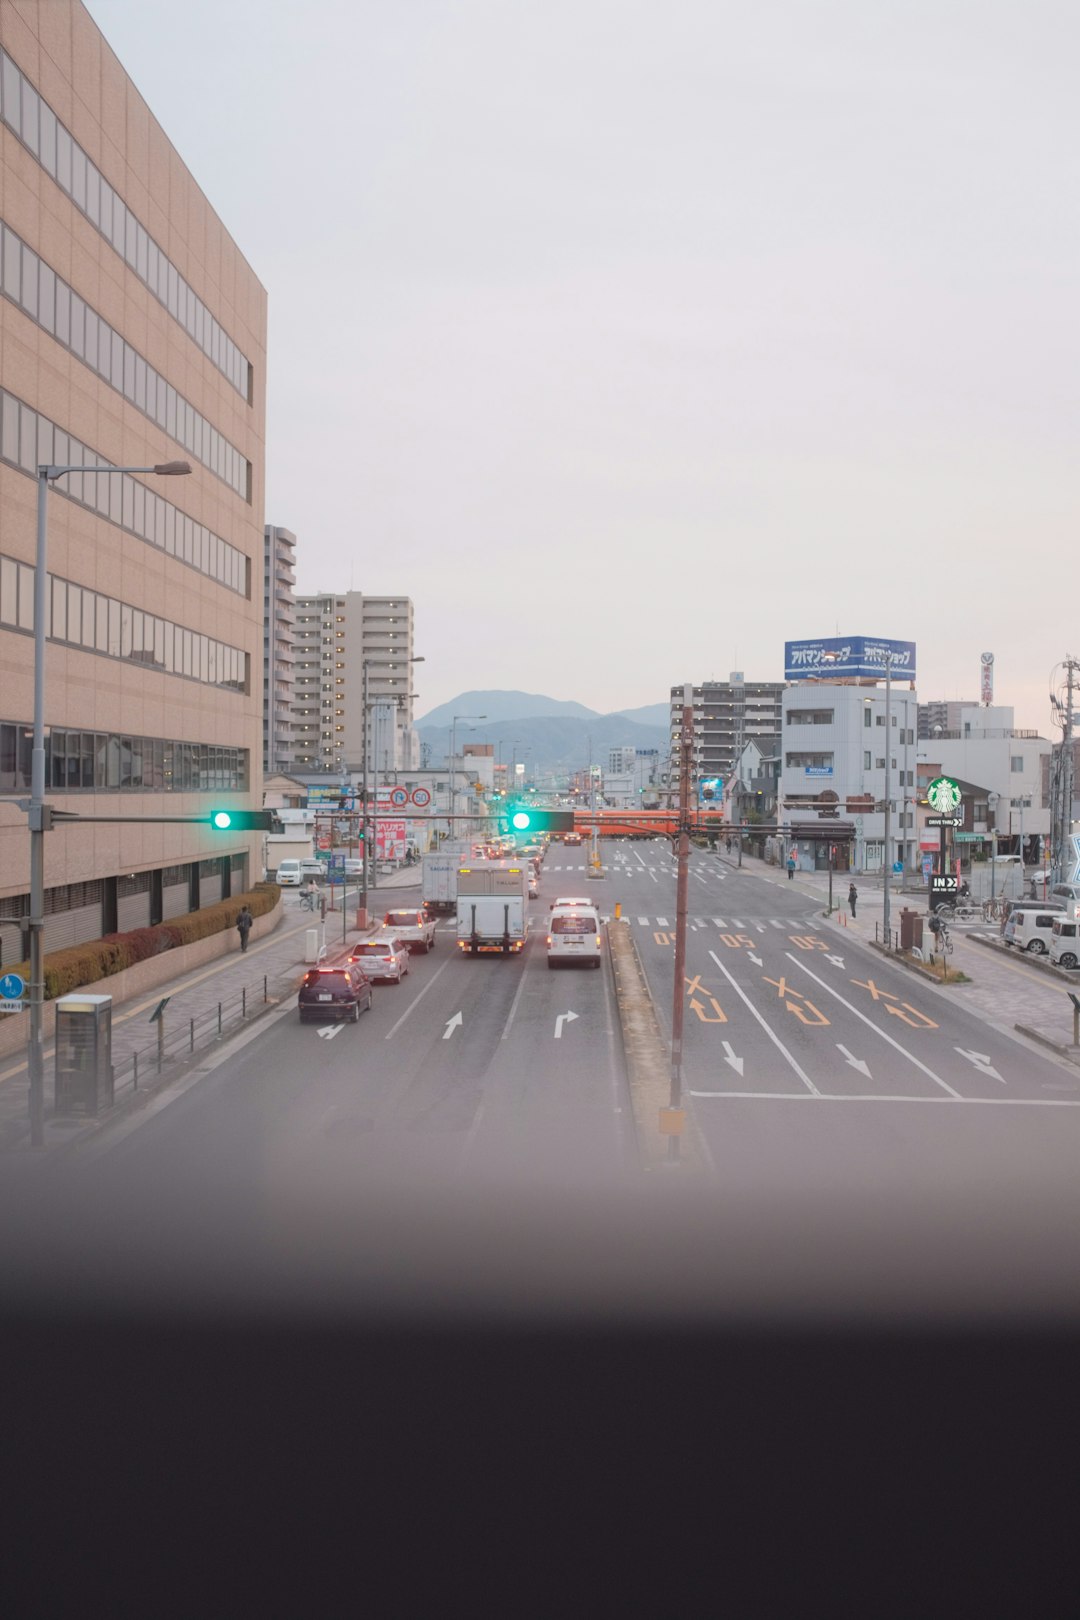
[{"x": 985, "y": 754}]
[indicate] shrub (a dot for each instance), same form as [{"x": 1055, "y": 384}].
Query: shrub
[{"x": 77, "y": 965}]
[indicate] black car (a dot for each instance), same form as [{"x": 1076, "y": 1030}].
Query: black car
[{"x": 339, "y": 992}]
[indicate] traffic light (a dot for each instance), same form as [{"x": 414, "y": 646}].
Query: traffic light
[
  {"x": 244, "y": 821},
  {"x": 523, "y": 818}
]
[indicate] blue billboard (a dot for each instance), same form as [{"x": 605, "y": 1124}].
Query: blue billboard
[{"x": 843, "y": 657}]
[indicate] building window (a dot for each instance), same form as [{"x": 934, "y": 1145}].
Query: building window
[
  {"x": 1016, "y": 764},
  {"x": 866, "y": 760},
  {"x": 868, "y": 718}
]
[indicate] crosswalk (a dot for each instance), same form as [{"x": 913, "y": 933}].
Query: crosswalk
[{"x": 723, "y": 925}]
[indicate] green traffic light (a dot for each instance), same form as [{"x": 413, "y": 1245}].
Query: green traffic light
[
  {"x": 520, "y": 820},
  {"x": 222, "y": 820}
]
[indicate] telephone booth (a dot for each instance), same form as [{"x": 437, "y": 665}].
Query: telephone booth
[{"x": 84, "y": 1072}]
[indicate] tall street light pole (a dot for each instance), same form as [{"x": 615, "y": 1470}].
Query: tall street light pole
[
  {"x": 35, "y": 806},
  {"x": 362, "y": 903}
]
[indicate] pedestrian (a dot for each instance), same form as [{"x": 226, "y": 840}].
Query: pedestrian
[
  {"x": 243, "y": 926},
  {"x": 790, "y": 867},
  {"x": 852, "y": 896}
]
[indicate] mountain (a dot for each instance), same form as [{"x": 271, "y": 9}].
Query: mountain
[
  {"x": 558, "y": 743},
  {"x": 501, "y": 706},
  {"x": 653, "y": 714}
]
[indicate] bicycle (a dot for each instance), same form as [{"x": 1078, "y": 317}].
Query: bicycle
[
  {"x": 942, "y": 939},
  {"x": 308, "y": 902}
]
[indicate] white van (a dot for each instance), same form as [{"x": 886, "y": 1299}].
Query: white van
[
  {"x": 1065, "y": 942},
  {"x": 1031, "y": 929},
  {"x": 312, "y": 870},
  {"x": 574, "y": 936},
  {"x": 288, "y": 874}
]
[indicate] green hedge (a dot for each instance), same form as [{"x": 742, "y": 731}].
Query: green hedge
[{"x": 101, "y": 958}]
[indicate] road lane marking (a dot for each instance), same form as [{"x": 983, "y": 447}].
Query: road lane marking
[
  {"x": 730, "y": 1057},
  {"x": 856, "y": 1063},
  {"x": 936, "y": 1078},
  {"x": 563, "y": 1018},
  {"x": 869, "y": 1097},
  {"x": 411, "y": 1008},
  {"x": 777, "y": 1042},
  {"x": 329, "y": 1031},
  {"x": 513, "y": 1006},
  {"x": 452, "y": 1024},
  {"x": 981, "y": 1062}
]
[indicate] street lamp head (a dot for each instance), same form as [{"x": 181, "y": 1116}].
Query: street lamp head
[{"x": 172, "y": 469}]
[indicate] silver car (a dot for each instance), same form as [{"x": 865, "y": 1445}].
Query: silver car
[
  {"x": 413, "y": 925},
  {"x": 384, "y": 958}
]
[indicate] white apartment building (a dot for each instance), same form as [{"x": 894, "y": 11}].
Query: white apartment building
[
  {"x": 987, "y": 749},
  {"x": 279, "y": 631},
  {"x": 336, "y": 635},
  {"x": 836, "y": 739}
]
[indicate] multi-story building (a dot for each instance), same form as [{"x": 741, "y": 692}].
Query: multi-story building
[
  {"x": 727, "y": 715},
  {"x": 940, "y": 715},
  {"x": 335, "y": 637},
  {"x": 132, "y": 334},
  {"x": 1012, "y": 764},
  {"x": 279, "y": 630}
]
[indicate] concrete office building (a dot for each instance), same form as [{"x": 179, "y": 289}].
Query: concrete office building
[
  {"x": 279, "y": 652},
  {"x": 727, "y": 715},
  {"x": 132, "y": 332},
  {"x": 985, "y": 747},
  {"x": 335, "y": 635}
]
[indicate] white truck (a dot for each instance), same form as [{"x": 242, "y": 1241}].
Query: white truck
[
  {"x": 438, "y": 876},
  {"x": 492, "y": 907}
]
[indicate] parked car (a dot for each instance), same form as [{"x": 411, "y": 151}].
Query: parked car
[
  {"x": 354, "y": 867},
  {"x": 313, "y": 870},
  {"x": 416, "y": 928},
  {"x": 288, "y": 875},
  {"x": 383, "y": 958},
  {"x": 338, "y": 992},
  {"x": 1030, "y": 928},
  {"x": 1065, "y": 943}
]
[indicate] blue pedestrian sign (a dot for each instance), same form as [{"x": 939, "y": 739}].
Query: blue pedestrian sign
[{"x": 12, "y": 987}]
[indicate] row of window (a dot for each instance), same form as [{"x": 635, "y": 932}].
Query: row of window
[
  {"x": 100, "y": 624},
  {"x": 50, "y": 302},
  {"x": 82, "y": 760},
  {"x": 29, "y": 440},
  {"x": 41, "y": 132}
]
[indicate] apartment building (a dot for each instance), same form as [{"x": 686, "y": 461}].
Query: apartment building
[
  {"x": 727, "y": 715},
  {"x": 279, "y": 653},
  {"x": 132, "y": 333},
  {"x": 335, "y": 636}
]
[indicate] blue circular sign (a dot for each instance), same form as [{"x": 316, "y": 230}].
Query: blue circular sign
[{"x": 12, "y": 988}]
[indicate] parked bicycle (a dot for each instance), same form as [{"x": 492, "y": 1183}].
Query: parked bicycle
[{"x": 942, "y": 939}]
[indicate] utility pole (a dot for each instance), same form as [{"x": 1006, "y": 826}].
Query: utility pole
[
  {"x": 682, "y": 885},
  {"x": 1062, "y": 798}
]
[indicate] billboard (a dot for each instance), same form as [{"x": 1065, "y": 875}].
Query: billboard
[
  {"x": 986, "y": 683},
  {"x": 843, "y": 657}
]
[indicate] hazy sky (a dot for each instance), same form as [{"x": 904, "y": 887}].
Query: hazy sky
[{"x": 632, "y": 337}]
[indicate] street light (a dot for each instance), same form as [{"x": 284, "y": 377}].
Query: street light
[
  {"x": 36, "y": 804},
  {"x": 362, "y": 901},
  {"x": 453, "y": 755},
  {"x": 992, "y": 801}
]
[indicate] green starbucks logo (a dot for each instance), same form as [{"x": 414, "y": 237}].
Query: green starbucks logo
[{"x": 943, "y": 795}]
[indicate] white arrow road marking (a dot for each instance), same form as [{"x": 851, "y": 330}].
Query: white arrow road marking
[
  {"x": 729, "y": 1057},
  {"x": 328, "y": 1031},
  {"x": 856, "y": 1063},
  {"x": 777, "y": 1042},
  {"x": 453, "y": 1024},
  {"x": 563, "y": 1018},
  {"x": 981, "y": 1062},
  {"x": 754, "y": 958},
  {"x": 837, "y": 961}
]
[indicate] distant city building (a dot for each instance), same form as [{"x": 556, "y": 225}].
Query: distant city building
[
  {"x": 941, "y": 716},
  {"x": 986, "y": 748},
  {"x": 335, "y": 636},
  {"x": 279, "y": 629},
  {"x": 727, "y": 715}
]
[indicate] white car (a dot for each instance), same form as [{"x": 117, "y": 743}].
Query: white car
[
  {"x": 415, "y": 927},
  {"x": 288, "y": 874},
  {"x": 384, "y": 957}
]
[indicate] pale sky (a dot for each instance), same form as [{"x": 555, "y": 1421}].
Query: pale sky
[{"x": 633, "y": 337}]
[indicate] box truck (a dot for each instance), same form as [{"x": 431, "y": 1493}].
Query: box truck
[{"x": 492, "y": 907}]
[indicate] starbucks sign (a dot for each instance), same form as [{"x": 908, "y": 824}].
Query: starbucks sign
[{"x": 943, "y": 795}]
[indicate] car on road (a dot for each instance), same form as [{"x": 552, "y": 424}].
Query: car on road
[
  {"x": 1030, "y": 928},
  {"x": 573, "y": 900},
  {"x": 534, "y": 883},
  {"x": 288, "y": 874},
  {"x": 571, "y": 838},
  {"x": 415, "y": 927},
  {"x": 354, "y": 867},
  {"x": 313, "y": 869},
  {"x": 339, "y": 992},
  {"x": 573, "y": 936},
  {"x": 384, "y": 958},
  {"x": 1065, "y": 943}
]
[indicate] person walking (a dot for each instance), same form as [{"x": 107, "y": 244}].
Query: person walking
[
  {"x": 790, "y": 867},
  {"x": 852, "y": 896},
  {"x": 243, "y": 926}
]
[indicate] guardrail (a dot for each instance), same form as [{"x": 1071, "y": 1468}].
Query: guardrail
[{"x": 180, "y": 1041}]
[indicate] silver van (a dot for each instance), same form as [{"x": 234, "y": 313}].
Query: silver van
[
  {"x": 1030, "y": 928},
  {"x": 1065, "y": 942}
]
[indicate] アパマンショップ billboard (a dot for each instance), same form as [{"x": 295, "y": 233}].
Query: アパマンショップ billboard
[{"x": 848, "y": 656}]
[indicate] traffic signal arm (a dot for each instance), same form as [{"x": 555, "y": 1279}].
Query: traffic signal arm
[{"x": 244, "y": 821}]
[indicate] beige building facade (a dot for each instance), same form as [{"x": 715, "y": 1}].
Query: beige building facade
[
  {"x": 132, "y": 332},
  {"x": 334, "y": 637}
]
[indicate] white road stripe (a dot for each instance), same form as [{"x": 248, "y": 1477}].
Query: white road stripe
[
  {"x": 844, "y": 1002},
  {"x": 413, "y": 1005},
  {"x": 860, "y": 1097},
  {"x": 777, "y": 1042}
]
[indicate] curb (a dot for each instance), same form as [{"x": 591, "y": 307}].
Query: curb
[{"x": 1070, "y": 1052}]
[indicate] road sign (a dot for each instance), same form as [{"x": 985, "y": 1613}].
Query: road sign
[
  {"x": 324, "y": 839},
  {"x": 943, "y": 887},
  {"x": 399, "y": 796},
  {"x": 12, "y": 987},
  {"x": 159, "y": 1009},
  {"x": 944, "y": 821},
  {"x": 12, "y": 1006},
  {"x": 927, "y": 865},
  {"x": 421, "y": 797},
  {"x": 898, "y": 868}
]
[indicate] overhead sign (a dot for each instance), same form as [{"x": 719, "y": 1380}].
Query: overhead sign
[
  {"x": 848, "y": 656},
  {"x": 329, "y": 795},
  {"x": 944, "y": 795},
  {"x": 986, "y": 683}
]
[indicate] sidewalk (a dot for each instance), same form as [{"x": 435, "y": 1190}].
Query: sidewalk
[
  {"x": 1005, "y": 991},
  {"x": 276, "y": 962}
]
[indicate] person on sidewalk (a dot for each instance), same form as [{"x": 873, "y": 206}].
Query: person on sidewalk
[
  {"x": 852, "y": 896},
  {"x": 790, "y": 867},
  {"x": 243, "y": 926}
]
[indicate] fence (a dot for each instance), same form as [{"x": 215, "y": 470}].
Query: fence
[{"x": 178, "y": 1042}]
